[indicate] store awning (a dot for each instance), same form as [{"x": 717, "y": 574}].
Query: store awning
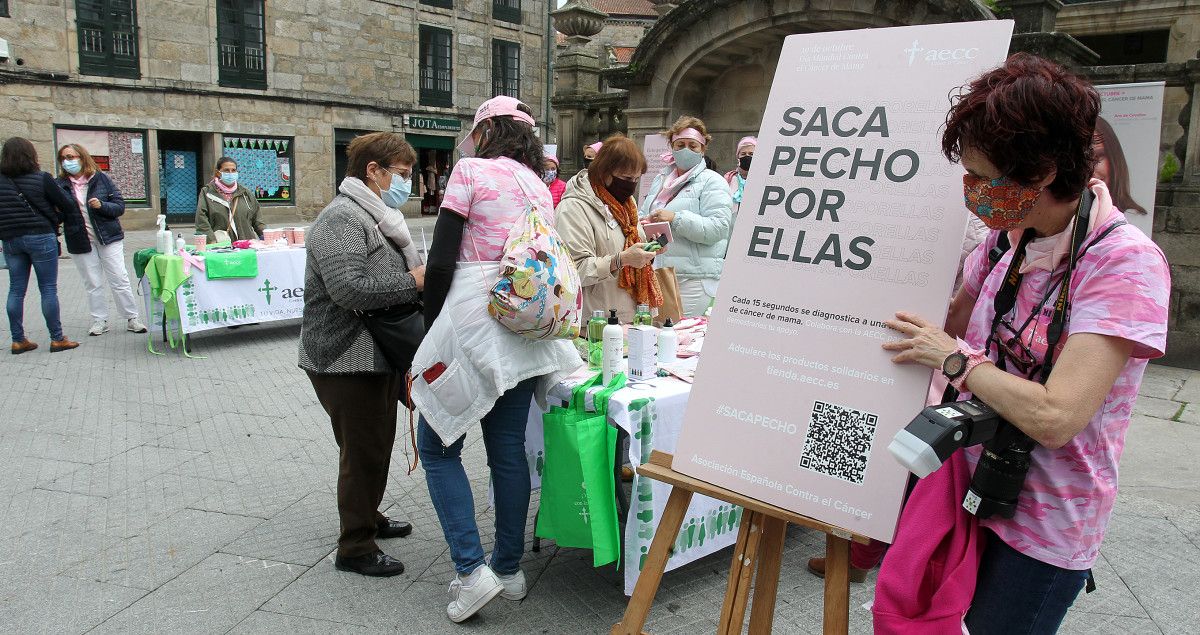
[{"x": 434, "y": 142}]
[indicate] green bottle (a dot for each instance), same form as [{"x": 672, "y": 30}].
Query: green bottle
[
  {"x": 595, "y": 333},
  {"x": 642, "y": 317}
]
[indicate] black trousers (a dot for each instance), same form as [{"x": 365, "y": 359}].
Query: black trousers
[{"x": 362, "y": 410}]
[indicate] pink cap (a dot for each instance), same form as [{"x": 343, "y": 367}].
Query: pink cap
[
  {"x": 596, "y": 146},
  {"x": 690, "y": 133},
  {"x": 746, "y": 141},
  {"x": 501, "y": 106},
  {"x": 551, "y": 157}
]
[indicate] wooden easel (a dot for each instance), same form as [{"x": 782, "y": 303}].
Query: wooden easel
[{"x": 759, "y": 545}]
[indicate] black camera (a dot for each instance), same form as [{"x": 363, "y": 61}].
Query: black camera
[{"x": 923, "y": 445}]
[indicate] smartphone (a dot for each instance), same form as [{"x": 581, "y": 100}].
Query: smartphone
[{"x": 655, "y": 230}]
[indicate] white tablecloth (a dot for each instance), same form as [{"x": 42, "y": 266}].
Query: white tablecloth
[
  {"x": 652, "y": 414},
  {"x": 276, "y": 294}
]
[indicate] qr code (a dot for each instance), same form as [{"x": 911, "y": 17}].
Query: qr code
[{"x": 838, "y": 442}]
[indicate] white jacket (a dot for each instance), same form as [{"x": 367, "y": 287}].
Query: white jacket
[{"x": 483, "y": 358}]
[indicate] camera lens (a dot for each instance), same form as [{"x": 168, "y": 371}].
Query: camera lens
[{"x": 1000, "y": 474}]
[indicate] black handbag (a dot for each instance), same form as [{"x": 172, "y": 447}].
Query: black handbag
[{"x": 397, "y": 331}]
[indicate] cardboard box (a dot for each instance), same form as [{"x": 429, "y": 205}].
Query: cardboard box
[{"x": 643, "y": 352}]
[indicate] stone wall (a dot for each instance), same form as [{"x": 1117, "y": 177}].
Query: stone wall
[
  {"x": 1180, "y": 17},
  {"x": 353, "y": 68}
]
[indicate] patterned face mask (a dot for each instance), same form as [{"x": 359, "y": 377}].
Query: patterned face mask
[{"x": 1000, "y": 203}]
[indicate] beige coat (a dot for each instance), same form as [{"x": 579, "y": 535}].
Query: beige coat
[{"x": 595, "y": 239}]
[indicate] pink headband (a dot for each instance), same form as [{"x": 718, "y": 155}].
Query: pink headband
[
  {"x": 747, "y": 141},
  {"x": 690, "y": 133}
]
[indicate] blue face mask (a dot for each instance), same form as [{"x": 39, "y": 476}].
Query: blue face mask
[
  {"x": 550, "y": 176},
  {"x": 397, "y": 193},
  {"x": 72, "y": 166},
  {"x": 687, "y": 159},
  {"x": 229, "y": 178}
]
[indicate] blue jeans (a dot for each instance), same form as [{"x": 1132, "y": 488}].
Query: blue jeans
[
  {"x": 504, "y": 440},
  {"x": 40, "y": 253},
  {"x": 1018, "y": 595}
]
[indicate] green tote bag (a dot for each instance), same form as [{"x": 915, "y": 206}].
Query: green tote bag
[{"x": 578, "y": 507}]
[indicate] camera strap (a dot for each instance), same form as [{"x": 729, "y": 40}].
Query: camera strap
[{"x": 1006, "y": 296}]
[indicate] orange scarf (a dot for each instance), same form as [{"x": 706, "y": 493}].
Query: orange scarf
[{"x": 640, "y": 283}]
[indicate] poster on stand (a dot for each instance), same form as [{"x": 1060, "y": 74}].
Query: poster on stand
[
  {"x": 851, "y": 213},
  {"x": 1128, "y": 134},
  {"x": 654, "y": 146}
]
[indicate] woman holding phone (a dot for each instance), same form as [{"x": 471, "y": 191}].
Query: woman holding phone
[{"x": 597, "y": 218}]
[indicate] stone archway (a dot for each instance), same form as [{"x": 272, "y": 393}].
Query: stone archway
[{"x": 716, "y": 58}]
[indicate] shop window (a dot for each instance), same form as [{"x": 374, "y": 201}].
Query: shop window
[
  {"x": 432, "y": 172},
  {"x": 506, "y": 68},
  {"x": 507, "y": 10},
  {"x": 241, "y": 44},
  {"x": 264, "y": 166},
  {"x": 445, "y": 4},
  {"x": 121, "y": 154},
  {"x": 435, "y": 67},
  {"x": 108, "y": 34}
]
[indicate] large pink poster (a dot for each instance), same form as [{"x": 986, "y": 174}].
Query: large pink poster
[{"x": 850, "y": 214}]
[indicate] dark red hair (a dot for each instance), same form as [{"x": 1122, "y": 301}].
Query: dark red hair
[
  {"x": 618, "y": 153},
  {"x": 1029, "y": 117}
]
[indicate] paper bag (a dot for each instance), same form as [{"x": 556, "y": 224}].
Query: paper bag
[{"x": 671, "y": 307}]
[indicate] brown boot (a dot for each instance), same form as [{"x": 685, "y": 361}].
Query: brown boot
[
  {"x": 24, "y": 346},
  {"x": 817, "y": 567},
  {"x": 62, "y": 345}
]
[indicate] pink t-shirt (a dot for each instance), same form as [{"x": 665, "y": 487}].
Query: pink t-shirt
[
  {"x": 486, "y": 193},
  {"x": 1119, "y": 288}
]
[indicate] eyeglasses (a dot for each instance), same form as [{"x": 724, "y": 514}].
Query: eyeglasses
[{"x": 1015, "y": 351}]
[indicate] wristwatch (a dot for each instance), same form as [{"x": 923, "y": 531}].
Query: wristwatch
[{"x": 960, "y": 363}]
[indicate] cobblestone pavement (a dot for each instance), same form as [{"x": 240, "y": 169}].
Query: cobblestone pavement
[{"x": 162, "y": 494}]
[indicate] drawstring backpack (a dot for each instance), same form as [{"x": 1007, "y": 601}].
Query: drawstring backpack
[{"x": 539, "y": 295}]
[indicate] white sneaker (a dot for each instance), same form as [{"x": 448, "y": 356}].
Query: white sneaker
[
  {"x": 99, "y": 327},
  {"x": 514, "y": 585},
  {"x": 135, "y": 326},
  {"x": 470, "y": 593}
]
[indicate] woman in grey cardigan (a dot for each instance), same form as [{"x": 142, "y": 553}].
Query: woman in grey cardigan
[{"x": 361, "y": 257}]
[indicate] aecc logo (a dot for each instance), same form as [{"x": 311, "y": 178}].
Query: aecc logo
[{"x": 940, "y": 57}]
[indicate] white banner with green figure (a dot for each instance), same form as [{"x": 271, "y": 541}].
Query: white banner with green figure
[
  {"x": 652, "y": 414},
  {"x": 276, "y": 293}
]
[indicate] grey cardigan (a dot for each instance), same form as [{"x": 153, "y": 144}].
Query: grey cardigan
[{"x": 350, "y": 266}]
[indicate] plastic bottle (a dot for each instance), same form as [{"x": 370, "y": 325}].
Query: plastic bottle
[
  {"x": 642, "y": 317},
  {"x": 613, "y": 338},
  {"x": 162, "y": 239},
  {"x": 595, "y": 334},
  {"x": 668, "y": 343},
  {"x": 180, "y": 243}
]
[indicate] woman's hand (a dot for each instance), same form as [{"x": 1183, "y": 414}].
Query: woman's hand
[
  {"x": 925, "y": 344},
  {"x": 661, "y": 216},
  {"x": 418, "y": 274},
  {"x": 636, "y": 256},
  {"x": 94, "y": 203}
]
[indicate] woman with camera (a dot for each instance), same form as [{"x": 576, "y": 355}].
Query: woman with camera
[{"x": 1054, "y": 334}]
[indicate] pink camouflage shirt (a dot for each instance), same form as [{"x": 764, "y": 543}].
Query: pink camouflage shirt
[
  {"x": 486, "y": 193},
  {"x": 1120, "y": 288}
]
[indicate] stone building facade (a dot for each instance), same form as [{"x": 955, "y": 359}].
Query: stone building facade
[
  {"x": 161, "y": 89},
  {"x": 716, "y": 59}
]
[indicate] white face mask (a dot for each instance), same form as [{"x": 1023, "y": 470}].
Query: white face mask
[{"x": 687, "y": 159}]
